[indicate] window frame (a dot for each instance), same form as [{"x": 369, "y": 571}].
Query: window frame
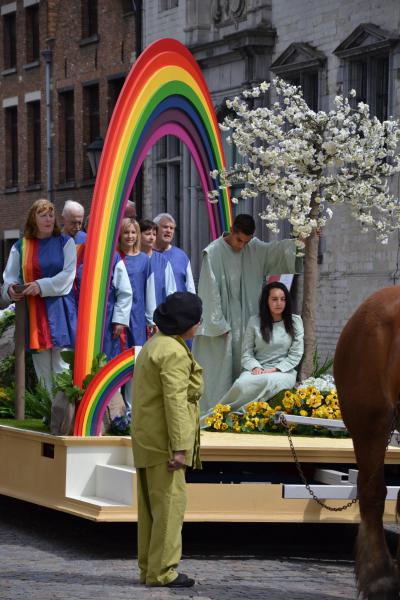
[
  {"x": 34, "y": 124},
  {"x": 10, "y": 41},
  {"x": 115, "y": 84},
  {"x": 368, "y": 43},
  {"x": 299, "y": 61},
  {"x": 168, "y": 170},
  {"x": 66, "y": 112},
  {"x": 370, "y": 95},
  {"x": 32, "y": 33},
  {"x": 91, "y": 122},
  {"x": 11, "y": 140},
  {"x": 89, "y": 20}
]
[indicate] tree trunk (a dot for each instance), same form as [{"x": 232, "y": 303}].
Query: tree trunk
[{"x": 309, "y": 308}]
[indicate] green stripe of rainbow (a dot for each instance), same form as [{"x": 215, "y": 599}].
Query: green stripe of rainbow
[{"x": 164, "y": 83}]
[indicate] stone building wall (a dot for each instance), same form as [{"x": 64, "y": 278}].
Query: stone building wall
[{"x": 354, "y": 264}]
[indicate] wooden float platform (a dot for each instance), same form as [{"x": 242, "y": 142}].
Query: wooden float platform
[{"x": 247, "y": 477}]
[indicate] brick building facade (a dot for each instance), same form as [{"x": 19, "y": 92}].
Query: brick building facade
[{"x": 83, "y": 49}]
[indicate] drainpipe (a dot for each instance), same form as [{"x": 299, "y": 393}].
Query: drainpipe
[
  {"x": 138, "y": 9},
  {"x": 48, "y": 57}
]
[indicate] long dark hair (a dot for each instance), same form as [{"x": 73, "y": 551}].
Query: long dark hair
[{"x": 266, "y": 322}]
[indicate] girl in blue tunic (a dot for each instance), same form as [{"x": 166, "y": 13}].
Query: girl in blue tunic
[
  {"x": 41, "y": 268},
  {"x": 138, "y": 267}
]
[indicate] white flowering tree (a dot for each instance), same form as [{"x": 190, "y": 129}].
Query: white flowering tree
[{"x": 305, "y": 163}]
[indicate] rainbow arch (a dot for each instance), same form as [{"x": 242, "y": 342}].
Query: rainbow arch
[
  {"x": 100, "y": 390},
  {"x": 165, "y": 94}
]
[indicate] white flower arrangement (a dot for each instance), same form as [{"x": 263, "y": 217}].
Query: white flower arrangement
[{"x": 325, "y": 383}]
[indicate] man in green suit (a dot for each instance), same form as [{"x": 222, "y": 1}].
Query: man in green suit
[{"x": 167, "y": 386}]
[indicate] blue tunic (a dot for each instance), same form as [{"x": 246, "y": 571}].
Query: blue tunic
[
  {"x": 164, "y": 283},
  {"x": 181, "y": 267},
  {"x": 118, "y": 298},
  {"x": 138, "y": 268},
  {"x": 55, "y": 281},
  {"x": 80, "y": 238}
]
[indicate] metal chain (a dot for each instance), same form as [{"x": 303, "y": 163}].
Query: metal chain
[{"x": 285, "y": 424}]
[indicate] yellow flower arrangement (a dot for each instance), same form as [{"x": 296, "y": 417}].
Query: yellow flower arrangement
[{"x": 258, "y": 416}]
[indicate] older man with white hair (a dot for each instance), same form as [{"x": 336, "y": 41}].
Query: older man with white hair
[
  {"x": 178, "y": 258},
  {"x": 73, "y": 215}
]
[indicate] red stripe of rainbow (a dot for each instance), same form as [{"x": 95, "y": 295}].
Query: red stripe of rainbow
[
  {"x": 165, "y": 93},
  {"x": 39, "y": 329}
]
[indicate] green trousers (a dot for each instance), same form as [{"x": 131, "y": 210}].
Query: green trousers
[{"x": 161, "y": 509}]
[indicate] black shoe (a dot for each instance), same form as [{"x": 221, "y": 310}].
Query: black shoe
[{"x": 182, "y": 581}]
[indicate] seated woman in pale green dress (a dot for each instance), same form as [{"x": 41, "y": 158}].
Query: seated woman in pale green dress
[{"x": 272, "y": 349}]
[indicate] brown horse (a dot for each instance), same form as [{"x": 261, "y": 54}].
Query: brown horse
[{"x": 367, "y": 374}]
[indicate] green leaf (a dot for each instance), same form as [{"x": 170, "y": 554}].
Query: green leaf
[{"x": 320, "y": 369}]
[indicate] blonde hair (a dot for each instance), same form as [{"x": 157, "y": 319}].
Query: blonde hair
[
  {"x": 39, "y": 206},
  {"x": 126, "y": 223}
]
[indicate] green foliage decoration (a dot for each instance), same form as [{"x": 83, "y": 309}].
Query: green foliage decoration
[
  {"x": 64, "y": 381},
  {"x": 38, "y": 403},
  {"x": 320, "y": 368}
]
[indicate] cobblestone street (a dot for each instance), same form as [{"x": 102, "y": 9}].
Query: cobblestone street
[{"x": 45, "y": 555}]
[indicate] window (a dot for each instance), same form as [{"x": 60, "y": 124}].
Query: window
[
  {"x": 168, "y": 177},
  {"x": 66, "y": 137},
  {"x": 10, "y": 41},
  {"x": 32, "y": 33},
  {"x": 168, "y": 4},
  {"x": 91, "y": 122},
  {"x": 308, "y": 81},
  {"x": 89, "y": 18},
  {"x": 369, "y": 76},
  {"x": 34, "y": 145},
  {"x": 302, "y": 65},
  {"x": 114, "y": 89},
  {"x": 366, "y": 61},
  {"x": 11, "y": 143}
]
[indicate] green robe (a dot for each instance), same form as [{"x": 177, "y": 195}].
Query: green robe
[
  {"x": 282, "y": 352},
  {"x": 230, "y": 285}
]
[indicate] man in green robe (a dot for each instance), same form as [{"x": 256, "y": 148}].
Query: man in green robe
[
  {"x": 233, "y": 270},
  {"x": 165, "y": 437}
]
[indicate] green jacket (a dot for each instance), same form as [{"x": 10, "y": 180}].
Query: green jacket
[{"x": 167, "y": 386}]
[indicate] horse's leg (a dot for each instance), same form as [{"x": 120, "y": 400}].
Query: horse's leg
[
  {"x": 376, "y": 572},
  {"x": 398, "y": 519}
]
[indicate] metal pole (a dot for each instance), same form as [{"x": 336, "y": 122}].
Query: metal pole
[
  {"x": 20, "y": 359},
  {"x": 48, "y": 57},
  {"x": 312, "y": 421}
]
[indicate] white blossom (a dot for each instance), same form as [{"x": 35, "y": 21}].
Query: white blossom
[{"x": 303, "y": 160}]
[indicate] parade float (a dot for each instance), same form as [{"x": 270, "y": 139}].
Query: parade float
[{"x": 247, "y": 476}]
